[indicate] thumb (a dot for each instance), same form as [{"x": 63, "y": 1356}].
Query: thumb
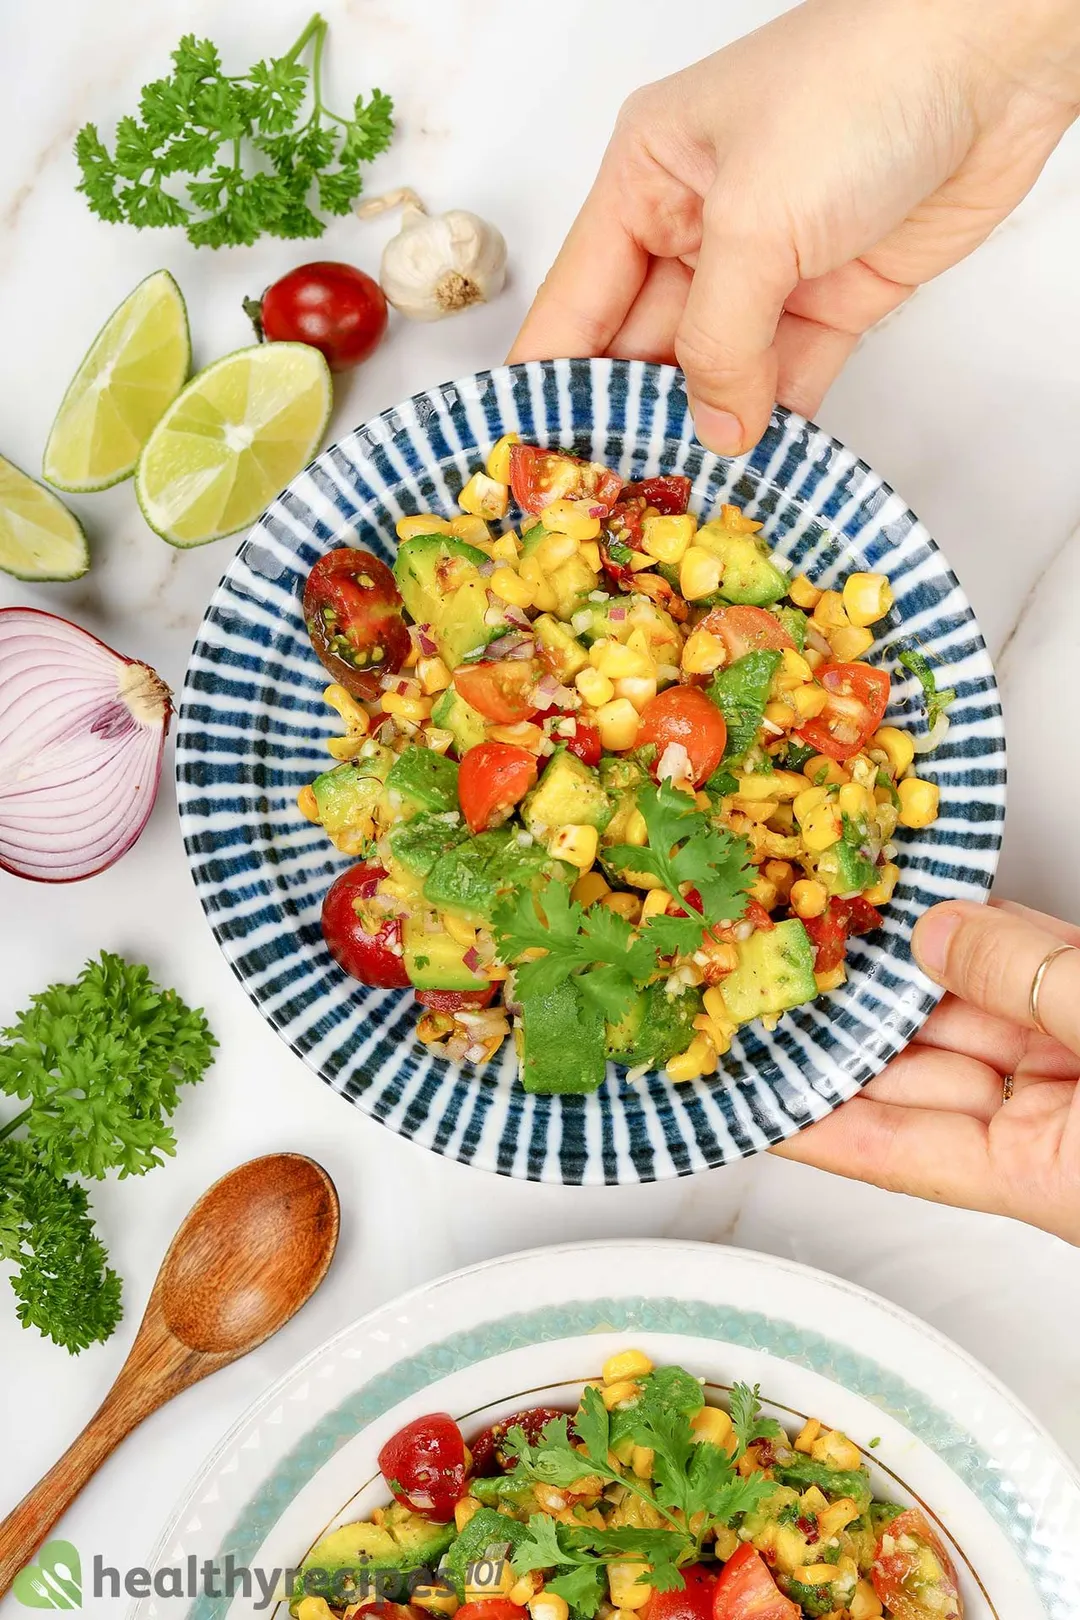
[
  {"x": 990, "y": 957},
  {"x": 725, "y": 343}
]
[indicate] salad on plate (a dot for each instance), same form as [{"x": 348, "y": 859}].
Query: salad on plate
[
  {"x": 646, "y": 1502},
  {"x": 615, "y": 783}
]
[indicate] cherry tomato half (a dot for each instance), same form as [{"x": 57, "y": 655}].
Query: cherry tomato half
[
  {"x": 858, "y": 698},
  {"x": 352, "y": 610},
  {"x": 334, "y": 308},
  {"x": 538, "y": 477},
  {"x": 669, "y": 493},
  {"x": 830, "y": 932},
  {"x": 492, "y": 778},
  {"x": 746, "y": 1590},
  {"x": 491, "y": 1609},
  {"x": 746, "y": 629},
  {"x": 424, "y": 1466},
  {"x": 585, "y": 743},
  {"x": 499, "y": 690},
  {"x": 904, "y": 1573},
  {"x": 694, "y": 1601},
  {"x": 452, "y": 1001},
  {"x": 487, "y": 1453},
  {"x": 683, "y": 714},
  {"x": 375, "y": 957}
]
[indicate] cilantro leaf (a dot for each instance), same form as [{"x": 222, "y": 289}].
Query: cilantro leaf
[
  {"x": 741, "y": 692},
  {"x": 597, "y": 944},
  {"x": 582, "y": 1587},
  {"x": 936, "y": 701},
  {"x": 746, "y": 1419}
]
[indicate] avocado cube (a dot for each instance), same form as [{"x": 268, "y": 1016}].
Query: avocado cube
[
  {"x": 655, "y": 1028},
  {"x": 561, "y": 650},
  {"x": 428, "y": 568},
  {"x": 424, "y": 779},
  {"x": 417, "y": 844},
  {"x": 453, "y": 714},
  {"x": 435, "y": 961},
  {"x": 748, "y": 575},
  {"x": 485, "y": 1535},
  {"x": 348, "y": 796},
  {"x": 569, "y": 791},
  {"x": 561, "y": 1047},
  {"x": 775, "y": 972},
  {"x": 470, "y": 880}
]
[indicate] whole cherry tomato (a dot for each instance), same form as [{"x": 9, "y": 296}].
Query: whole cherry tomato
[
  {"x": 746, "y": 1590},
  {"x": 424, "y": 1466},
  {"x": 694, "y": 1601},
  {"x": 373, "y": 958},
  {"x": 334, "y": 308},
  {"x": 487, "y": 1453},
  {"x": 452, "y": 1001},
  {"x": 669, "y": 493},
  {"x": 912, "y": 1572},
  {"x": 538, "y": 477},
  {"x": 492, "y": 778},
  {"x": 858, "y": 696},
  {"x": 499, "y": 690},
  {"x": 683, "y": 714},
  {"x": 352, "y": 610},
  {"x": 585, "y": 743},
  {"x": 746, "y": 629}
]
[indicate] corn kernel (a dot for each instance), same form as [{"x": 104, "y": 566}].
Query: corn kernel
[
  {"x": 810, "y": 799},
  {"x": 614, "y": 1395},
  {"x": 549, "y": 1606},
  {"x": 897, "y": 745},
  {"x": 623, "y": 905},
  {"x": 780, "y": 714},
  {"x": 591, "y": 553},
  {"x": 834, "y": 1448},
  {"x": 867, "y": 598},
  {"x": 618, "y": 724},
  {"x": 814, "y": 1499},
  {"x": 589, "y": 888},
  {"x": 655, "y": 904},
  {"x": 307, "y": 804},
  {"x": 352, "y": 714},
  {"x": 854, "y": 801},
  {"x": 781, "y": 875},
  {"x": 436, "y": 1599},
  {"x": 510, "y": 587},
  {"x": 699, "y": 573},
  {"x": 831, "y": 980},
  {"x": 571, "y": 518},
  {"x": 433, "y": 675},
  {"x": 310, "y": 1608},
  {"x": 822, "y": 828},
  {"x": 627, "y": 1591},
  {"x": 765, "y": 892},
  {"x": 864, "y": 1603},
  {"x": 808, "y": 898},
  {"x": 814, "y": 658},
  {"x": 830, "y": 613},
  {"x": 713, "y": 1424},
  {"x": 615, "y": 660},
  {"x": 519, "y": 734},
  {"x": 555, "y": 549},
  {"x": 408, "y": 528},
  {"x": 637, "y": 689},
  {"x": 807, "y": 1435},
  {"x": 525, "y": 1588},
  {"x": 464, "y": 1511},
  {"x": 794, "y": 669},
  {"x": 506, "y": 548},
  {"x": 576, "y": 844},
  {"x": 698, "y": 1059},
  {"x": 636, "y": 830},
  {"x": 461, "y": 932},
  {"x": 837, "y": 1517},
  {"x": 815, "y": 1574},
  {"x": 881, "y": 892},
  {"x": 543, "y": 594},
  {"x": 641, "y": 1461},
  {"x": 666, "y": 538},
  {"x": 919, "y": 801},
  {"x": 639, "y": 562},
  {"x": 407, "y": 707},
  {"x": 848, "y": 642},
  {"x": 595, "y": 688},
  {"x": 473, "y": 530},
  {"x": 809, "y": 701},
  {"x": 439, "y": 739},
  {"x": 823, "y": 771},
  {"x": 715, "y": 1005},
  {"x": 703, "y": 653},
  {"x": 348, "y": 747},
  {"x": 803, "y": 593},
  {"x": 485, "y": 497},
  {"x": 626, "y": 1364},
  {"x": 499, "y": 1589},
  {"x": 498, "y": 461}
]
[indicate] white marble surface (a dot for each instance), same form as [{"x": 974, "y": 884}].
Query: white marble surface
[{"x": 968, "y": 401}]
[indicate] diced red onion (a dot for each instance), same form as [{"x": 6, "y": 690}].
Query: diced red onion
[
  {"x": 673, "y": 764},
  {"x": 471, "y": 959},
  {"x": 486, "y": 568},
  {"x": 475, "y": 1054},
  {"x": 515, "y": 615},
  {"x": 82, "y": 732},
  {"x": 616, "y": 614},
  {"x": 387, "y": 732},
  {"x": 507, "y": 646},
  {"x": 524, "y": 649},
  {"x": 428, "y": 647},
  {"x": 544, "y": 691}
]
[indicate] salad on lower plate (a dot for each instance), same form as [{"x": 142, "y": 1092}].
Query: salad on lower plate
[
  {"x": 616, "y": 783},
  {"x": 646, "y": 1502}
]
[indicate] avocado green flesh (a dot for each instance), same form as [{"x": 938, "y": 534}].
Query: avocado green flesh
[
  {"x": 424, "y": 780},
  {"x": 336, "y": 1566},
  {"x": 656, "y": 1027},
  {"x": 466, "y": 724},
  {"x": 569, "y": 791},
  {"x": 562, "y": 1042},
  {"x": 418, "y": 843},
  {"x": 775, "y": 972},
  {"x": 435, "y": 961},
  {"x": 471, "y": 879}
]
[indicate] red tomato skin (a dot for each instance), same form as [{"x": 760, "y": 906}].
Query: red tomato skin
[
  {"x": 384, "y": 1610},
  {"x": 669, "y": 493},
  {"x": 499, "y": 690},
  {"x": 424, "y": 1466},
  {"x": 452, "y": 1001},
  {"x": 367, "y": 957},
  {"x": 694, "y": 1601},
  {"x": 585, "y": 743},
  {"x": 492, "y": 778},
  {"x": 490, "y": 1609},
  {"x": 830, "y": 932},
  {"x": 870, "y": 687},
  {"x": 367, "y": 618},
  {"x": 487, "y": 1456},
  {"x": 889, "y": 1569},
  {"x": 746, "y": 1590},
  {"x": 746, "y": 629},
  {"x": 683, "y": 714},
  {"x": 532, "y": 472},
  {"x": 332, "y": 307}
]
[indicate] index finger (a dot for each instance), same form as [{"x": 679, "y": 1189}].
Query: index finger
[{"x": 586, "y": 295}]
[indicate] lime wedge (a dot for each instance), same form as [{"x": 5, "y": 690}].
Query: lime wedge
[
  {"x": 39, "y": 537},
  {"x": 233, "y": 439},
  {"x": 134, "y": 368}
]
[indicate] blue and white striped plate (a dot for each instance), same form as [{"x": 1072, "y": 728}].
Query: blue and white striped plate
[{"x": 253, "y": 730}]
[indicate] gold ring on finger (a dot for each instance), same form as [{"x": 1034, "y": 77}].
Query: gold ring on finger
[{"x": 1037, "y": 984}]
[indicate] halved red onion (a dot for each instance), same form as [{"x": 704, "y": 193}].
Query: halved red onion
[{"x": 82, "y": 732}]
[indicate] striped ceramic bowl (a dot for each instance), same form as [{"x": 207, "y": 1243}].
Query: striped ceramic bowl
[{"x": 253, "y": 730}]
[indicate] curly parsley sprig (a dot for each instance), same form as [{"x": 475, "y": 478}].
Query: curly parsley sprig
[{"x": 206, "y": 125}]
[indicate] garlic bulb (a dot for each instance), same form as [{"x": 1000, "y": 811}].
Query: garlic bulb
[{"x": 438, "y": 263}]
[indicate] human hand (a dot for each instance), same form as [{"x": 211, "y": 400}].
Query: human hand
[
  {"x": 935, "y": 1122},
  {"x": 757, "y": 212}
]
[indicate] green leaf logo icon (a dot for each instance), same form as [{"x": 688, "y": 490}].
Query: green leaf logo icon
[{"x": 55, "y": 1582}]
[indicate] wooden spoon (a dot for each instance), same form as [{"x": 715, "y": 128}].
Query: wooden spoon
[{"x": 251, "y": 1252}]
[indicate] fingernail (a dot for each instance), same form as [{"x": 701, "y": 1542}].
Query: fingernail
[
  {"x": 718, "y": 430},
  {"x": 930, "y": 941}
]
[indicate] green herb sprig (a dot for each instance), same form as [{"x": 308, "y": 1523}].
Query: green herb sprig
[
  {"x": 936, "y": 700},
  {"x": 249, "y": 163},
  {"x": 100, "y": 1064}
]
